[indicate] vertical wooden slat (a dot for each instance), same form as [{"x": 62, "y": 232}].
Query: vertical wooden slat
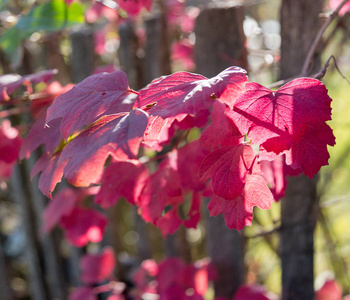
[
  {"x": 299, "y": 25},
  {"x": 220, "y": 44}
]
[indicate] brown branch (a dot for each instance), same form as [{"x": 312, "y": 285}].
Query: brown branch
[{"x": 318, "y": 39}]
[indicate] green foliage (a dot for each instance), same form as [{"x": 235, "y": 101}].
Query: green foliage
[{"x": 49, "y": 17}]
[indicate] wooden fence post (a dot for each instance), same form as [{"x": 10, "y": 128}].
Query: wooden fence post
[
  {"x": 220, "y": 44},
  {"x": 299, "y": 26}
]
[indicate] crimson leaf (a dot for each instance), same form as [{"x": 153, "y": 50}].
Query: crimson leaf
[{"x": 187, "y": 93}]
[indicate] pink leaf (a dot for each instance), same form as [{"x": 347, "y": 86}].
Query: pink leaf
[
  {"x": 238, "y": 211},
  {"x": 117, "y": 135},
  {"x": 228, "y": 167},
  {"x": 335, "y": 3},
  {"x": 133, "y": 7},
  {"x": 187, "y": 93},
  {"x": 83, "y": 225},
  {"x": 121, "y": 179},
  {"x": 90, "y": 99},
  {"x": 96, "y": 268}
]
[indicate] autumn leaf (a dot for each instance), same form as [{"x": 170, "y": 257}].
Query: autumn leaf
[{"x": 99, "y": 94}]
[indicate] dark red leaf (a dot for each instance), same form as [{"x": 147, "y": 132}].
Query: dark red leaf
[
  {"x": 90, "y": 99},
  {"x": 194, "y": 213},
  {"x": 86, "y": 293}
]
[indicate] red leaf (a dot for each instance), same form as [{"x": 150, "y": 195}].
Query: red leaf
[
  {"x": 310, "y": 152},
  {"x": 194, "y": 213},
  {"x": 190, "y": 158},
  {"x": 220, "y": 132},
  {"x": 62, "y": 205},
  {"x": 278, "y": 119},
  {"x": 90, "y": 99},
  {"x": 133, "y": 7},
  {"x": 253, "y": 292},
  {"x": 161, "y": 188},
  {"x": 117, "y": 135},
  {"x": 331, "y": 290},
  {"x": 51, "y": 169},
  {"x": 40, "y": 134},
  {"x": 83, "y": 225},
  {"x": 187, "y": 93},
  {"x": 170, "y": 222},
  {"x": 238, "y": 211},
  {"x": 10, "y": 142},
  {"x": 228, "y": 167},
  {"x": 121, "y": 179},
  {"x": 11, "y": 82},
  {"x": 96, "y": 268},
  {"x": 86, "y": 293}
]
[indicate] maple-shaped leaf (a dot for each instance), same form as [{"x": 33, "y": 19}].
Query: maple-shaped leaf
[
  {"x": 95, "y": 268},
  {"x": 220, "y": 132},
  {"x": 277, "y": 119},
  {"x": 187, "y": 93},
  {"x": 83, "y": 225},
  {"x": 121, "y": 179},
  {"x": 117, "y": 135},
  {"x": 228, "y": 168},
  {"x": 238, "y": 211},
  {"x": 51, "y": 169},
  {"x": 90, "y": 99},
  {"x": 310, "y": 152}
]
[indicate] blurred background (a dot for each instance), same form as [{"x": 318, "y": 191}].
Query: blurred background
[{"x": 80, "y": 38}]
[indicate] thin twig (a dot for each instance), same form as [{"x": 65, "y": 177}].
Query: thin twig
[
  {"x": 318, "y": 39},
  {"x": 264, "y": 233},
  {"x": 334, "y": 201}
]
